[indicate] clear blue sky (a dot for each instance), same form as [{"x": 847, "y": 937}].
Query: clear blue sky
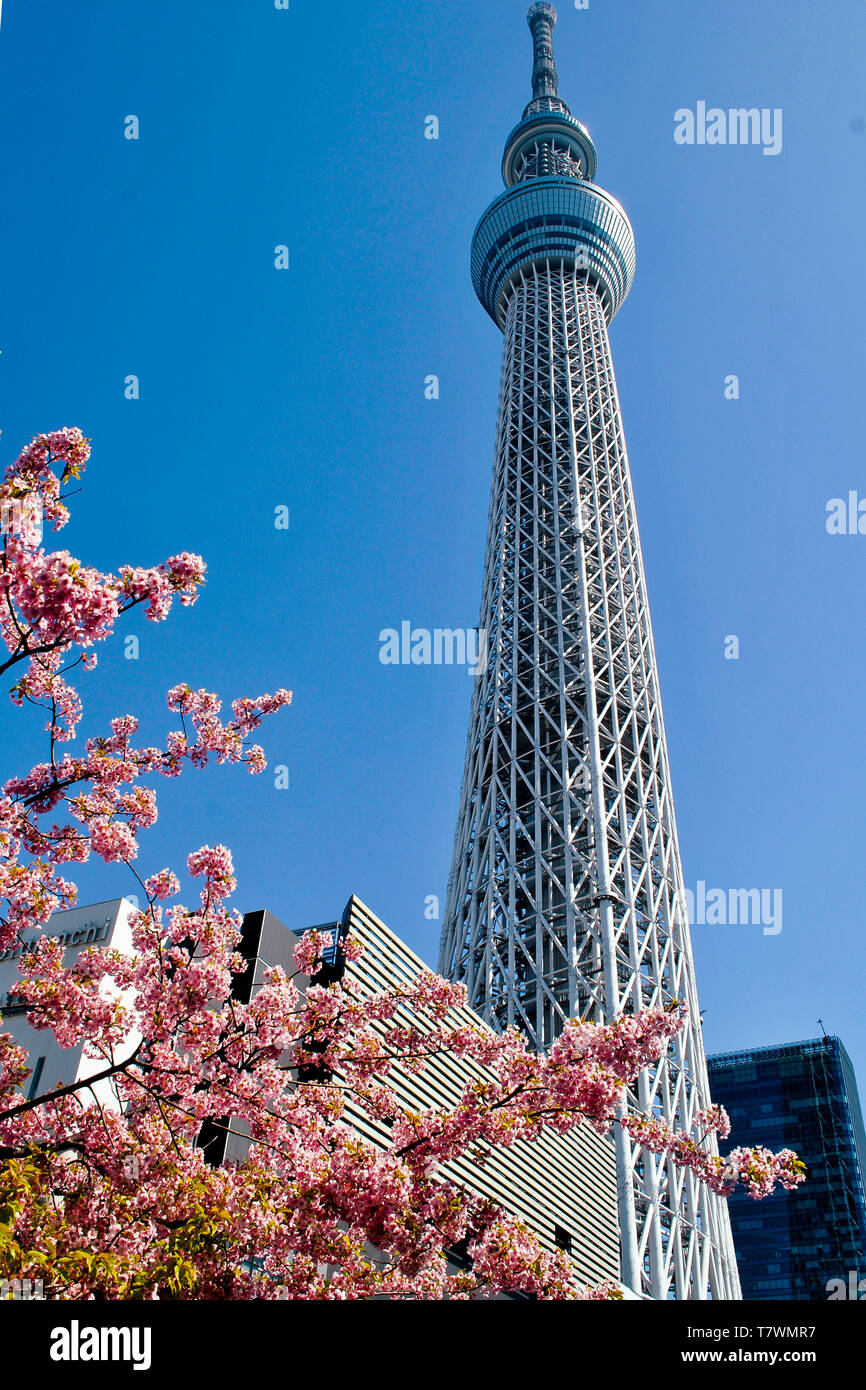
[{"x": 305, "y": 388}]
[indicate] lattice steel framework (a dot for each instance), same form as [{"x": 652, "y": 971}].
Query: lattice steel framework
[{"x": 566, "y": 892}]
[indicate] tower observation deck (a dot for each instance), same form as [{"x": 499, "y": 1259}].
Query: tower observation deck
[{"x": 566, "y": 893}]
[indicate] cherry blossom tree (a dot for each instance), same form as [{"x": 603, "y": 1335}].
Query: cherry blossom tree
[{"x": 104, "y": 1190}]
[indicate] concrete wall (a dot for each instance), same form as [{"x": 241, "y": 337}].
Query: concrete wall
[
  {"x": 99, "y": 924},
  {"x": 559, "y": 1180}
]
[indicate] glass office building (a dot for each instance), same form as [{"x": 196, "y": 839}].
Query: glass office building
[{"x": 803, "y": 1096}]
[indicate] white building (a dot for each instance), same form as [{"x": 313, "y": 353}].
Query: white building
[{"x": 100, "y": 924}]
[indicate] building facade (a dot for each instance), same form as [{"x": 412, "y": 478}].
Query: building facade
[
  {"x": 566, "y": 894},
  {"x": 809, "y": 1244},
  {"x": 561, "y": 1187},
  {"x": 100, "y": 924}
]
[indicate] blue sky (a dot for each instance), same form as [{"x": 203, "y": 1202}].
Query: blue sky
[{"x": 305, "y": 388}]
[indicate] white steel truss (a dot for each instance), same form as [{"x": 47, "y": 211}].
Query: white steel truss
[{"x": 566, "y": 894}]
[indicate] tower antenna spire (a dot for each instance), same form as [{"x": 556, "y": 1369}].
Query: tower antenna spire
[{"x": 541, "y": 19}]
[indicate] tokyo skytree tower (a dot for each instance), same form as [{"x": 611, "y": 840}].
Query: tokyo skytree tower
[{"x": 566, "y": 893}]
